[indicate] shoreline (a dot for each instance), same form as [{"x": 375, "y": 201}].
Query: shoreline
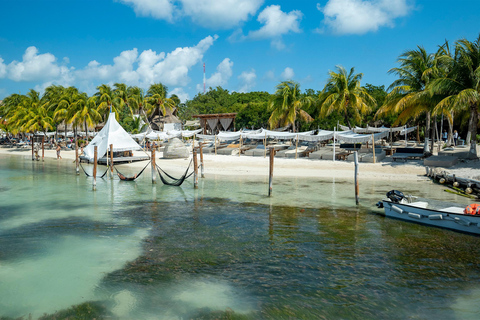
[{"x": 234, "y": 165}]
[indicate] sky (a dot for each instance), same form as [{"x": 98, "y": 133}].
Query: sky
[{"x": 246, "y": 45}]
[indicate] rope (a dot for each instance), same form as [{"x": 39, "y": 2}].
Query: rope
[
  {"x": 176, "y": 182},
  {"x": 88, "y": 175},
  {"x": 122, "y": 177}
]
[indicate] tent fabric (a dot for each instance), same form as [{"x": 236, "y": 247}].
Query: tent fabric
[
  {"x": 212, "y": 123},
  {"x": 226, "y": 122},
  {"x": 352, "y": 137},
  {"x": 112, "y": 133},
  {"x": 322, "y": 135}
]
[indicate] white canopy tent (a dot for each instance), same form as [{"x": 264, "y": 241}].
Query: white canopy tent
[{"x": 111, "y": 134}]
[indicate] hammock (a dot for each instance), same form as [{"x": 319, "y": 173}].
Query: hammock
[
  {"x": 176, "y": 182},
  {"x": 88, "y": 175},
  {"x": 123, "y": 178}
]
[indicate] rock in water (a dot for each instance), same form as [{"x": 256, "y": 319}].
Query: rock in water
[{"x": 175, "y": 149}]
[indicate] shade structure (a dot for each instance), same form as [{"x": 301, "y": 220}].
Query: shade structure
[{"x": 111, "y": 134}]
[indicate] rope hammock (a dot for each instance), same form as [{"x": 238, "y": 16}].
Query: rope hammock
[
  {"x": 124, "y": 178},
  {"x": 176, "y": 182},
  {"x": 88, "y": 175}
]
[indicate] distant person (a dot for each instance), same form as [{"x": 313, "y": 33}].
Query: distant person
[
  {"x": 455, "y": 137},
  {"x": 58, "y": 152},
  {"x": 445, "y": 136}
]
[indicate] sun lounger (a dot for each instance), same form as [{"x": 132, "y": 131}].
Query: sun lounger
[{"x": 405, "y": 154}]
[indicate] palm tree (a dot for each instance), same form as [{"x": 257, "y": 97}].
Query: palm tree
[
  {"x": 105, "y": 100},
  {"x": 343, "y": 94},
  {"x": 157, "y": 100},
  {"x": 287, "y": 103},
  {"x": 461, "y": 86}
]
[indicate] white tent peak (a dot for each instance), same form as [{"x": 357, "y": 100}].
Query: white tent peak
[{"x": 112, "y": 133}]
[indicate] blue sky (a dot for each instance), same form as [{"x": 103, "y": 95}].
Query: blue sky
[{"x": 246, "y": 45}]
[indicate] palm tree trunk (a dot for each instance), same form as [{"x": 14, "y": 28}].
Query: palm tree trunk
[
  {"x": 472, "y": 131},
  {"x": 450, "y": 130},
  {"x": 427, "y": 125}
]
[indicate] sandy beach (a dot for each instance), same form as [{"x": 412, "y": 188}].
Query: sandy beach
[{"x": 234, "y": 165}]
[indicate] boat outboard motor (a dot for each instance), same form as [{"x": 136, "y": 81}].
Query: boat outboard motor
[{"x": 395, "y": 196}]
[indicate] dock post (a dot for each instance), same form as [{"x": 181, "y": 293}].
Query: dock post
[
  {"x": 77, "y": 169},
  {"x": 373, "y": 148},
  {"x": 154, "y": 176},
  {"x": 201, "y": 161},
  {"x": 195, "y": 170},
  {"x": 270, "y": 176},
  {"x": 111, "y": 161},
  {"x": 43, "y": 148},
  {"x": 95, "y": 168},
  {"x": 355, "y": 157}
]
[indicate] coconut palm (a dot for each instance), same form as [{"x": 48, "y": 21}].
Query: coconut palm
[
  {"x": 287, "y": 103},
  {"x": 343, "y": 94},
  {"x": 461, "y": 85},
  {"x": 156, "y": 100},
  {"x": 105, "y": 100}
]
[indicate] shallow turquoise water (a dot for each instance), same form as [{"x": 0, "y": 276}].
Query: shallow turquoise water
[{"x": 155, "y": 252}]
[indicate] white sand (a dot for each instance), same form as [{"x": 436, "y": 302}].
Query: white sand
[{"x": 302, "y": 167}]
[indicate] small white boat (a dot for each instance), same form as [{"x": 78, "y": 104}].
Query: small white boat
[{"x": 402, "y": 207}]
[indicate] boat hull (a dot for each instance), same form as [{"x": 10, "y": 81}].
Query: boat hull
[{"x": 436, "y": 218}]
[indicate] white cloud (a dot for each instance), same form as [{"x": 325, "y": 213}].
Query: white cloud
[
  {"x": 276, "y": 23},
  {"x": 181, "y": 94},
  {"x": 221, "y": 77},
  {"x": 247, "y": 80},
  {"x": 220, "y": 14},
  {"x": 207, "y": 13},
  {"x": 362, "y": 16},
  {"x": 287, "y": 74},
  {"x": 149, "y": 67},
  {"x": 34, "y": 67},
  {"x": 3, "y": 69},
  {"x": 159, "y": 9}
]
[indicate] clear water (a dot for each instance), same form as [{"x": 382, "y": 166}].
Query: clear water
[{"x": 148, "y": 251}]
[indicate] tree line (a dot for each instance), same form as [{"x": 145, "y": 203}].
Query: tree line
[{"x": 428, "y": 87}]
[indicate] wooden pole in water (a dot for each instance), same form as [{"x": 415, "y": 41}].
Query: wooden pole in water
[
  {"x": 154, "y": 176},
  {"x": 373, "y": 148},
  {"x": 77, "y": 169},
  {"x": 95, "y": 168},
  {"x": 43, "y": 148},
  {"x": 195, "y": 170},
  {"x": 201, "y": 160},
  {"x": 111, "y": 161},
  {"x": 270, "y": 176},
  {"x": 355, "y": 157}
]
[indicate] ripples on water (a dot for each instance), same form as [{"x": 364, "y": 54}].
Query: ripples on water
[{"x": 153, "y": 252}]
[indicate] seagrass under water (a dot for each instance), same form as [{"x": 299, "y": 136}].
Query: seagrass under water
[{"x": 155, "y": 252}]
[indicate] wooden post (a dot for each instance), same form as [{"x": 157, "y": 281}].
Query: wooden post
[
  {"x": 154, "y": 176},
  {"x": 240, "y": 146},
  {"x": 77, "y": 169},
  {"x": 195, "y": 170},
  {"x": 334, "y": 132},
  {"x": 111, "y": 161},
  {"x": 296, "y": 147},
  {"x": 270, "y": 176},
  {"x": 373, "y": 148},
  {"x": 43, "y": 148},
  {"x": 265, "y": 146},
  {"x": 95, "y": 168},
  {"x": 201, "y": 160},
  {"x": 215, "y": 145},
  {"x": 355, "y": 157},
  {"x": 33, "y": 143}
]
